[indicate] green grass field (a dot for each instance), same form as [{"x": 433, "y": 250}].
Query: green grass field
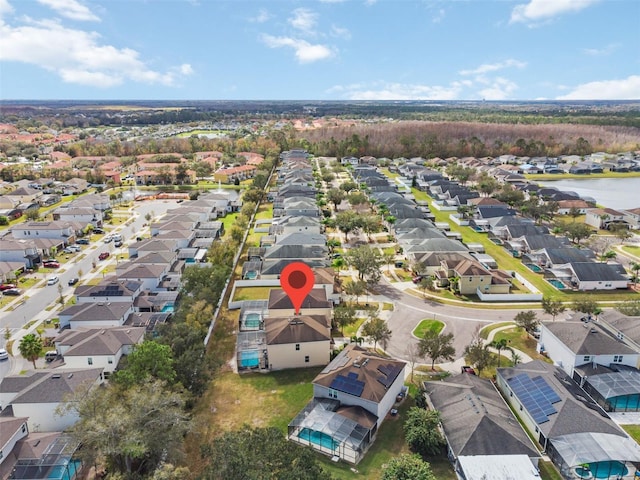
[{"x": 427, "y": 326}]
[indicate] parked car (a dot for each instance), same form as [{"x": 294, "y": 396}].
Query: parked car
[
  {"x": 12, "y": 291},
  {"x": 82, "y": 241},
  {"x": 108, "y": 239},
  {"x": 468, "y": 369},
  {"x": 98, "y": 231},
  {"x": 75, "y": 248},
  {"x": 50, "y": 356},
  {"x": 7, "y": 286},
  {"x": 103, "y": 256},
  {"x": 53, "y": 280},
  {"x": 4, "y": 355},
  {"x": 68, "y": 250},
  {"x": 417, "y": 279},
  {"x": 73, "y": 281},
  {"x": 118, "y": 244},
  {"x": 51, "y": 264}
]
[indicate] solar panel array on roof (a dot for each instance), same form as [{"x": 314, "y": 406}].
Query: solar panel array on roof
[
  {"x": 389, "y": 373},
  {"x": 349, "y": 384},
  {"x": 109, "y": 293},
  {"x": 536, "y": 396}
]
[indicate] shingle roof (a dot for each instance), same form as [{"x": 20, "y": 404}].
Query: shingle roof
[
  {"x": 587, "y": 338},
  {"x": 107, "y": 341},
  {"x": 475, "y": 418},
  {"x": 592, "y": 271},
  {"x": 368, "y": 369},
  {"x": 317, "y": 298},
  {"x": 297, "y": 329},
  {"x": 52, "y": 386}
]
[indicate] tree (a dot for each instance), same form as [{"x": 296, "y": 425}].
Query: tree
[
  {"x": 149, "y": 360},
  {"x": 388, "y": 258},
  {"x": 587, "y": 306},
  {"x": 357, "y": 288},
  {"x": 635, "y": 268},
  {"x": 421, "y": 431},
  {"x": 347, "y": 221},
  {"x": 343, "y": 315},
  {"x": 499, "y": 345},
  {"x": 426, "y": 283},
  {"x": 552, "y": 307},
  {"x": 367, "y": 261},
  {"x": 608, "y": 255},
  {"x": 348, "y": 186},
  {"x": 527, "y": 320},
  {"x": 407, "y": 467},
  {"x": 32, "y": 213},
  {"x": 370, "y": 224},
  {"x": 133, "y": 429},
  {"x": 478, "y": 355},
  {"x": 630, "y": 308},
  {"x": 30, "y": 347},
  {"x": 377, "y": 331},
  {"x": 260, "y": 454},
  {"x": 574, "y": 213},
  {"x": 621, "y": 232},
  {"x": 335, "y": 196},
  {"x": 437, "y": 346},
  {"x": 356, "y": 198},
  {"x": 577, "y": 231}
]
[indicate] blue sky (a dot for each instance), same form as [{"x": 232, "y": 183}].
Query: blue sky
[{"x": 320, "y": 50}]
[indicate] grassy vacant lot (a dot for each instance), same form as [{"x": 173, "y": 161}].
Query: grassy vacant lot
[{"x": 428, "y": 326}]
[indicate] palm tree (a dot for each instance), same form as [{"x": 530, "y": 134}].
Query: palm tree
[
  {"x": 30, "y": 347},
  {"x": 499, "y": 345},
  {"x": 608, "y": 255}
]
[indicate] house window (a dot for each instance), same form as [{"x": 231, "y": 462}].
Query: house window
[
  {"x": 90, "y": 361},
  {"x": 617, "y": 358},
  {"x": 586, "y": 358},
  {"x": 24, "y": 428},
  {"x": 306, "y": 359},
  {"x": 297, "y": 346},
  {"x": 333, "y": 393},
  {"x": 110, "y": 361},
  {"x": 520, "y": 407}
]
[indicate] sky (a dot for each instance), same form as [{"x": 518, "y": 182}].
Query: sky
[{"x": 319, "y": 50}]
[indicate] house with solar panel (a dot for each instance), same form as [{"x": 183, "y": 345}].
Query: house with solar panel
[
  {"x": 571, "y": 428},
  {"x": 351, "y": 398}
]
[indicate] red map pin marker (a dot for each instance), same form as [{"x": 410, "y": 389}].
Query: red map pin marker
[{"x": 297, "y": 281}]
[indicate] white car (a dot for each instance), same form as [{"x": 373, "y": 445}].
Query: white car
[
  {"x": 53, "y": 280},
  {"x": 4, "y": 355}
]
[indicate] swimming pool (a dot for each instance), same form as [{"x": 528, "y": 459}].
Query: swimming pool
[
  {"x": 608, "y": 469},
  {"x": 251, "y": 275},
  {"x": 169, "y": 308},
  {"x": 533, "y": 267},
  {"x": 64, "y": 472},
  {"x": 249, "y": 358},
  {"x": 252, "y": 321},
  {"x": 557, "y": 283},
  {"x": 190, "y": 260},
  {"x": 318, "y": 438}
]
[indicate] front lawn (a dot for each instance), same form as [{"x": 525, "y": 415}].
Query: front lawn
[{"x": 518, "y": 339}]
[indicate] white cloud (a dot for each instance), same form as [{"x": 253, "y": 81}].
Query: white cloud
[
  {"x": 78, "y": 56},
  {"x": 541, "y": 10},
  {"x": 438, "y": 16},
  {"x": 303, "y": 19},
  {"x": 599, "y": 52},
  {"x": 305, "y": 52},
  {"x": 340, "y": 32},
  {"x": 625, "y": 89},
  {"x": 5, "y": 7},
  {"x": 492, "y": 67},
  {"x": 498, "y": 89},
  {"x": 262, "y": 16},
  {"x": 71, "y": 9},
  {"x": 368, "y": 3},
  {"x": 332, "y": 1},
  {"x": 397, "y": 91}
]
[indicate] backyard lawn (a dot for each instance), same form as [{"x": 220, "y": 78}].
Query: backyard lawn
[{"x": 252, "y": 293}]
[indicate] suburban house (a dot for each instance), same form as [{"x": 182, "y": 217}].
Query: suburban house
[
  {"x": 569, "y": 425},
  {"x": 24, "y": 252},
  {"x": 477, "y": 423},
  {"x": 82, "y": 215},
  {"x": 110, "y": 290},
  {"x": 97, "y": 348},
  {"x": 37, "y": 394},
  {"x": 591, "y": 276},
  {"x": 65, "y": 232},
  {"x": 632, "y": 217},
  {"x": 316, "y": 303},
  {"x": 95, "y": 315},
  {"x": 298, "y": 341},
  {"x": 603, "y": 218},
  {"x": 231, "y": 174},
  {"x": 351, "y": 398}
]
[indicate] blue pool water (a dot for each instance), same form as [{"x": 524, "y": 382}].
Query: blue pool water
[
  {"x": 252, "y": 320},
  {"x": 318, "y": 438},
  {"x": 608, "y": 469},
  {"x": 497, "y": 241},
  {"x": 168, "y": 308},
  {"x": 249, "y": 358},
  {"x": 190, "y": 260},
  {"x": 625, "y": 402},
  {"x": 478, "y": 229},
  {"x": 533, "y": 267},
  {"x": 251, "y": 275},
  {"x": 557, "y": 283},
  {"x": 61, "y": 472}
]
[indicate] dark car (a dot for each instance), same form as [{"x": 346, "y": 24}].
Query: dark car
[
  {"x": 98, "y": 231},
  {"x": 51, "y": 264},
  {"x": 468, "y": 369},
  {"x": 73, "y": 281},
  {"x": 82, "y": 241},
  {"x": 103, "y": 256},
  {"x": 417, "y": 279},
  {"x": 6, "y": 286},
  {"x": 118, "y": 244},
  {"x": 12, "y": 291}
]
